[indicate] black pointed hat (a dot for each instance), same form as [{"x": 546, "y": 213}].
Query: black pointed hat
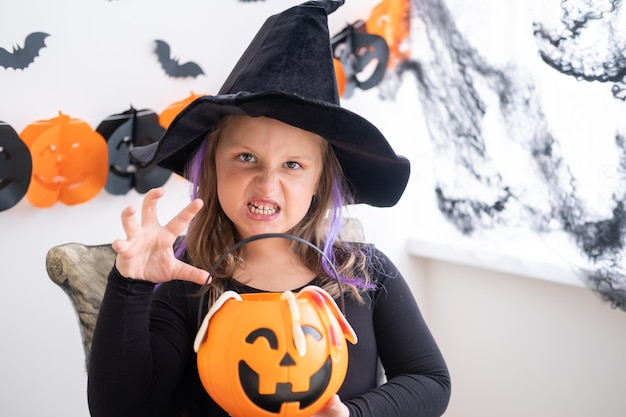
[{"x": 287, "y": 73}]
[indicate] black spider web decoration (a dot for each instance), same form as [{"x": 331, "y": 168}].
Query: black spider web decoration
[{"x": 459, "y": 88}]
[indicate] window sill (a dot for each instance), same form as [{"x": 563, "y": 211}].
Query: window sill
[{"x": 537, "y": 261}]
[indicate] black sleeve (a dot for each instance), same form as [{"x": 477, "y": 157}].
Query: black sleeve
[
  {"x": 141, "y": 347},
  {"x": 418, "y": 381}
]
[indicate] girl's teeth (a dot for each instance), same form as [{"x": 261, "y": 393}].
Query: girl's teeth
[{"x": 267, "y": 210}]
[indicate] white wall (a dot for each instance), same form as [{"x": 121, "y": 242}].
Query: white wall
[
  {"x": 522, "y": 347},
  {"x": 515, "y": 345}
]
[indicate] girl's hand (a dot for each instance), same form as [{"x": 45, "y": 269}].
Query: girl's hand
[
  {"x": 333, "y": 408},
  {"x": 147, "y": 252}
]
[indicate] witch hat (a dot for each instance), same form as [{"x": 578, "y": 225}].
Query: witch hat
[{"x": 287, "y": 73}]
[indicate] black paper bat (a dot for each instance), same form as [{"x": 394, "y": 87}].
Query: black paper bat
[
  {"x": 171, "y": 65},
  {"x": 21, "y": 58}
]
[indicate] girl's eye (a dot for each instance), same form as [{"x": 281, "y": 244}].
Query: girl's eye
[
  {"x": 293, "y": 165},
  {"x": 246, "y": 157}
]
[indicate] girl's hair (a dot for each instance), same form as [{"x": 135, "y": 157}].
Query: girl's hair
[{"x": 211, "y": 233}]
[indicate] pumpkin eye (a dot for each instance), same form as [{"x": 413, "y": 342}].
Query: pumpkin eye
[
  {"x": 311, "y": 331},
  {"x": 51, "y": 149},
  {"x": 126, "y": 140},
  {"x": 5, "y": 153},
  {"x": 266, "y": 333}
]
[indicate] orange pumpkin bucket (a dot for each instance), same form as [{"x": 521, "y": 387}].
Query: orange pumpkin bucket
[{"x": 273, "y": 354}]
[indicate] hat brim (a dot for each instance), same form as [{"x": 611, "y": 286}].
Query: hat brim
[{"x": 376, "y": 174}]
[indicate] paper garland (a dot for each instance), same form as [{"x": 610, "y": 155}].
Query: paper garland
[{"x": 63, "y": 159}]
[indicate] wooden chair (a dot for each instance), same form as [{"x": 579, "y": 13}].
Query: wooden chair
[{"x": 82, "y": 271}]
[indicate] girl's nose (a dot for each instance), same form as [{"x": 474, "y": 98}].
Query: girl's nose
[{"x": 267, "y": 180}]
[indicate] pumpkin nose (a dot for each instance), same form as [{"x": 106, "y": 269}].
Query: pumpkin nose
[{"x": 287, "y": 360}]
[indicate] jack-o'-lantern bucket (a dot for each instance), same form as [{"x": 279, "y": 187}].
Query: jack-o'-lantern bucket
[{"x": 273, "y": 354}]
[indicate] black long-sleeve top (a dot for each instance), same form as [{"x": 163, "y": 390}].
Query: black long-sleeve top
[{"x": 142, "y": 361}]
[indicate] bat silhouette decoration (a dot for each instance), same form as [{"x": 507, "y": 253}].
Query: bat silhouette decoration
[
  {"x": 171, "y": 66},
  {"x": 22, "y": 57}
]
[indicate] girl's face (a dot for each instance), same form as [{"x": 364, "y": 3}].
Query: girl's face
[{"x": 267, "y": 174}]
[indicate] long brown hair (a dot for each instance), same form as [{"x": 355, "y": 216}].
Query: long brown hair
[{"x": 211, "y": 233}]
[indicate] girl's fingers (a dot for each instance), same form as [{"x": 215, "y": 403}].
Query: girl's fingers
[
  {"x": 129, "y": 221},
  {"x": 191, "y": 273},
  {"x": 148, "y": 207},
  {"x": 119, "y": 245},
  {"x": 334, "y": 408},
  {"x": 148, "y": 243},
  {"x": 178, "y": 224}
]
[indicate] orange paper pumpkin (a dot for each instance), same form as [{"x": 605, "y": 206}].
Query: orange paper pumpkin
[
  {"x": 170, "y": 113},
  {"x": 69, "y": 161},
  {"x": 273, "y": 354}
]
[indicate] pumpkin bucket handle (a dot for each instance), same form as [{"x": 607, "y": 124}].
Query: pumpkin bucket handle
[{"x": 237, "y": 245}]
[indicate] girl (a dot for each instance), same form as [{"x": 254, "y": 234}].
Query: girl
[{"x": 273, "y": 152}]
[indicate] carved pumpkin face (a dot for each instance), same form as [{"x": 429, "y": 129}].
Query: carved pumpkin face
[
  {"x": 272, "y": 354},
  {"x": 69, "y": 161}
]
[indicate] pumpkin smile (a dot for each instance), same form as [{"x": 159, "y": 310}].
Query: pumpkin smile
[
  {"x": 5, "y": 182},
  {"x": 272, "y": 402},
  {"x": 123, "y": 172},
  {"x": 60, "y": 181}
]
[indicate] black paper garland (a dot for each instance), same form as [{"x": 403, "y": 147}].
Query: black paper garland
[
  {"x": 16, "y": 166},
  {"x": 122, "y": 132}
]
